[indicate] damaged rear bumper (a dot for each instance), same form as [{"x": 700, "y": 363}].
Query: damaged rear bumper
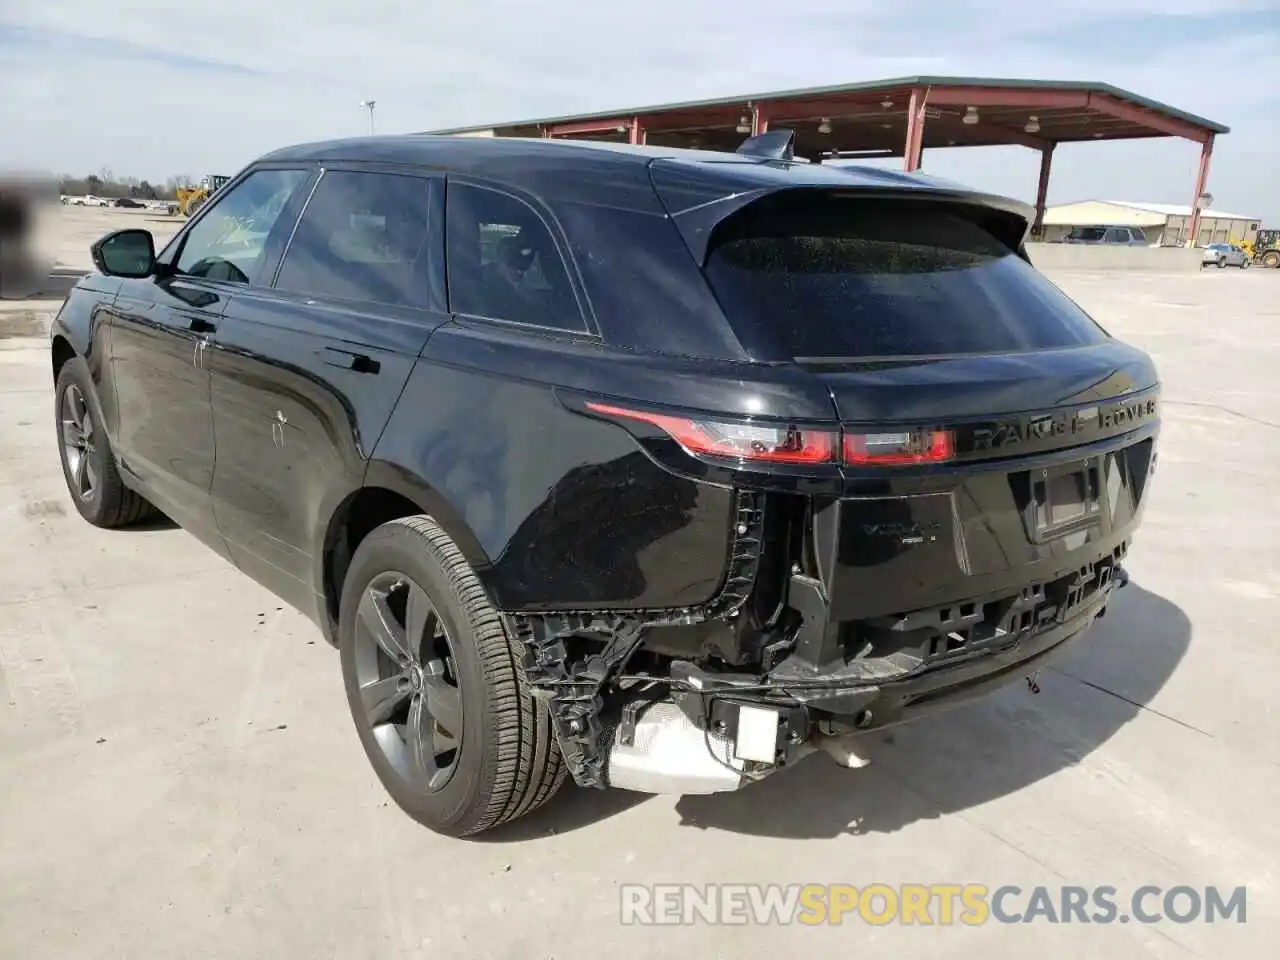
[{"x": 714, "y": 733}]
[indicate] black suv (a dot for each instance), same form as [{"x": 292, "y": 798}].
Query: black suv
[{"x": 653, "y": 467}]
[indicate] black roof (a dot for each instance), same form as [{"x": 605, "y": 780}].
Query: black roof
[
  {"x": 460, "y": 153},
  {"x": 583, "y": 167}
]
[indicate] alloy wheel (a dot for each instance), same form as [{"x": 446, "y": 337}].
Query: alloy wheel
[
  {"x": 78, "y": 442},
  {"x": 409, "y": 693}
]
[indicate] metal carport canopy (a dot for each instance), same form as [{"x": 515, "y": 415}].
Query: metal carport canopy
[{"x": 897, "y": 117}]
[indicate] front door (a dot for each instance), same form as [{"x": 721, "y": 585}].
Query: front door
[
  {"x": 164, "y": 430},
  {"x": 161, "y": 328}
]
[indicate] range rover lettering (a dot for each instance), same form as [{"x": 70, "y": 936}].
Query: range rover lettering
[{"x": 650, "y": 468}]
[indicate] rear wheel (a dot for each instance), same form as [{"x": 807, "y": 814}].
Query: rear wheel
[
  {"x": 435, "y": 687},
  {"x": 1271, "y": 258},
  {"x": 1222, "y": 263},
  {"x": 88, "y": 463}
]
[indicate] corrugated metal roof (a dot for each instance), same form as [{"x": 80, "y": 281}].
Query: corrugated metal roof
[
  {"x": 916, "y": 81},
  {"x": 1087, "y": 212},
  {"x": 1178, "y": 210}
]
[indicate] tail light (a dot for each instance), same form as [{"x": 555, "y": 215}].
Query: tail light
[
  {"x": 763, "y": 444},
  {"x": 891, "y": 449}
]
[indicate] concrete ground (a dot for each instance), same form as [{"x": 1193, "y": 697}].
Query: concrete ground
[
  {"x": 65, "y": 233},
  {"x": 179, "y": 776}
]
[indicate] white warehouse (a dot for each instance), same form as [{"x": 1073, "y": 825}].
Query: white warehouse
[{"x": 1164, "y": 224}]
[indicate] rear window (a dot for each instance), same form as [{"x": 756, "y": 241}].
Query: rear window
[{"x": 868, "y": 278}]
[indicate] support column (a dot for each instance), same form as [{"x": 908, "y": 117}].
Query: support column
[
  {"x": 1042, "y": 191},
  {"x": 759, "y": 121},
  {"x": 636, "y": 133},
  {"x": 1202, "y": 182},
  {"x": 914, "y": 146}
]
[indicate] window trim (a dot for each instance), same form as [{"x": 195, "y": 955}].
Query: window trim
[
  {"x": 435, "y": 236},
  {"x": 172, "y": 252},
  {"x": 589, "y": 328}
]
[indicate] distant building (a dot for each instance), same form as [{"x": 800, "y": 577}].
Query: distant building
[{"x": 1164, "y": 224}]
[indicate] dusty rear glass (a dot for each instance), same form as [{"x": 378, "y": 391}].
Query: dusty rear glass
[{"x": 835, "y": 277}]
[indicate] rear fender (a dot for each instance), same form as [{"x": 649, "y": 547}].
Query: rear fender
[{"x": 397, "y": 479}]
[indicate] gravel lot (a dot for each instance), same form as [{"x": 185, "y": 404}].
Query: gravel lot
[{"x": 179, "y": 776}]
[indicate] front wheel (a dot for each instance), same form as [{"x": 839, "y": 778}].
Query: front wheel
[
  {"x": 435, "y": 687},
  {"x": 88, "y": 462}
]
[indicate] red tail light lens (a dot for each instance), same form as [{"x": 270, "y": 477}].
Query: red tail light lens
[
  {"x": 762, "y": 444},
  {"x": 905, "y": 447}
]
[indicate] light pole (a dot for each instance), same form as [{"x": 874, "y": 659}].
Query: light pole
[{"x": 369, "y": 105}]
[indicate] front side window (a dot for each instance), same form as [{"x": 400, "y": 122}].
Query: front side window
[
  {"x": 363, "y": 237},
  {"x": 503, "y": 263},
  {"x": 227, "y": 243}
]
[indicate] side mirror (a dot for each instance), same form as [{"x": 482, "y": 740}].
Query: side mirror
[{"x": 125, "y": 253}]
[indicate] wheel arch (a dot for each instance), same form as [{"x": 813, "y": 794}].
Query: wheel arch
[
  {"x": 61, "y": 351},
  {"x": 388, "y": 494}
]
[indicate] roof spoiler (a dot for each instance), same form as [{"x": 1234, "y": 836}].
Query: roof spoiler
[
  {"x": 774, "y": 145},
  {"x": 698, "y": 196}
]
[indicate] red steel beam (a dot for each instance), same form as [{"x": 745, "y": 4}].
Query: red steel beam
[
  {"x": 1003, "y": 135},
  {"x": 695, "y": 120},
  {"x": 1202, "y": 182},
  {"x": 1132, "y": 113},
  {"x": 1042, "y": 191},
  {"x": 588, "y": 126},
  {"x": 1006, "y": 97},
  {"x": 915, "y": 132},
  {"x": 837, "y": 107}
]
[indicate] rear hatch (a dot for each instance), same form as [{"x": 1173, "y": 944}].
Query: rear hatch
[{"x": 997, "y": 439}]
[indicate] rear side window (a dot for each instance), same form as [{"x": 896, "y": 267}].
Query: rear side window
[
  {"x": 871, "y": 278},
  {"x": 363, "y": 237},
  {"x": 503, "y": 263}
]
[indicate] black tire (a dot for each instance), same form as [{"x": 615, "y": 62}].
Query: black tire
[
  {"x": 194, "y": 206},
  {"x": 1271, "y": 259},
  {"x": 1222, "y": 264},
  {"x": 107, "y": 502},
  {"x": 506, "y": 762}
]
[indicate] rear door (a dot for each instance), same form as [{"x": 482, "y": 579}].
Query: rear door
[{"x": 307, "y": 371}]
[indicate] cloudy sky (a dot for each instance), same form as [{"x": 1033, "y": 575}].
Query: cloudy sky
[{"x": 153, "y": 89}]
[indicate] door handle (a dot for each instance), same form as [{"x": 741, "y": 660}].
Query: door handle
[
  {"x": 201, "y": 325},
  {"x": 348, "y": 360}
]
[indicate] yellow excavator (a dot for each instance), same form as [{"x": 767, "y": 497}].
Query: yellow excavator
[
  {"x": 191, "y": 199},
  {"x": 1263, "y": 249}
]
